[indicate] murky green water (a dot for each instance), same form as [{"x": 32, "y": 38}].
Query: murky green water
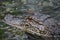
[{"x": 10, "y": 33}]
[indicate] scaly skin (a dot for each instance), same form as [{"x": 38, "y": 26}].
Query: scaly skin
[{"x": 33, "y": 24}]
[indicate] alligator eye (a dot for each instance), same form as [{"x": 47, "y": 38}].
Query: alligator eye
[
  {"x": 30, "y": 18},
  {"x": 53, "y": 26},
  {"x": 26, "y": 25}
]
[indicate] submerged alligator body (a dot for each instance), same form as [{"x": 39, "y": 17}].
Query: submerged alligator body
[{"x": 37, "y": 24}]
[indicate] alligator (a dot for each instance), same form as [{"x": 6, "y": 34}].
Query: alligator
[{"x": 34, "y": 23}]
